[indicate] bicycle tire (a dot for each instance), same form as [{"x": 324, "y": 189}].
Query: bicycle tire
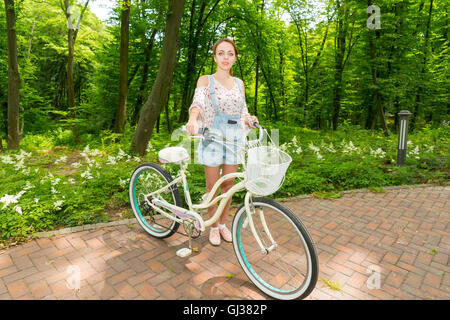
[
  {"x": 143, "y": 213},
  {"x": 270, "y": 275}
]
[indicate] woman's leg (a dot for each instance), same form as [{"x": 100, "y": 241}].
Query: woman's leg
[
  {"x": 227, "y": 185},
  {"x": 212, "y": 174}
]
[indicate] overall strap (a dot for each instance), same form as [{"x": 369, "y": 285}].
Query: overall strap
[
  {"x": 239, "y": 85},
  {"x": 212, "y": 92},
  {"x": 241, "y": 90}
]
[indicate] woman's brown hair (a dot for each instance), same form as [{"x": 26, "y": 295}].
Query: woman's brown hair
[{"x": 214, "y": 48}]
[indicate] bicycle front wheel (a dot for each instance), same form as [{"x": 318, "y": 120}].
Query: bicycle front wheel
[
  {"x": 288, "y": 269},
  {"x": 147, "y": 178}
]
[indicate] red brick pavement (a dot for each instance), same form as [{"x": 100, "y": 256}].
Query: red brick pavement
[{"x": 400, "y": 237}]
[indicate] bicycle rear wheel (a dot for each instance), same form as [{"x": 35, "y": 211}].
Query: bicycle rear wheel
[
  {"x": 288, "y": 271},
  {"x": 147, "y": 178}
]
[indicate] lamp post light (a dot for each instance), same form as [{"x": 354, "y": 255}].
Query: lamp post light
[{"x": 402, "y": 137}]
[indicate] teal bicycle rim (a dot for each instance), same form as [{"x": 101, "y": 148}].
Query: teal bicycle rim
[{"x": 250, "y": 267}]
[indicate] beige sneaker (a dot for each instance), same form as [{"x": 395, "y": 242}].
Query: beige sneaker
[
  {"x": 226, "y": 234},
  {"x": 214, "y": 237}
]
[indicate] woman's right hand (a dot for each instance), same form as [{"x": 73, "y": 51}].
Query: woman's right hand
[{"x": 192, "y": 127}]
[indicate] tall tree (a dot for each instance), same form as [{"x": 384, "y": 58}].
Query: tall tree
[
  {"x": 71, "y": 39},
  {"x": 160, "y": 91},
  {"x": 376, "y": 90},
  {"x": 419, "y": 95},
  {"x": 121, "y": 114},
  {"x": 195, "y": 29},
  {"x": 13, "y": 137},
  {"x": 341, "y": 55}
]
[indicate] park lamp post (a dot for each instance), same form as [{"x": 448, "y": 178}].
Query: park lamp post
[{"x": 402, "y": 137}]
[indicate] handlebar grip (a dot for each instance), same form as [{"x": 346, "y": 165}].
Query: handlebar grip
[{"x": 256, "y": 124}]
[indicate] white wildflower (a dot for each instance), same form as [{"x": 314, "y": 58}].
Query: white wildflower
[
  {"x": 19, "y": 165},
  {"x": 349, "y": 148},
  {"x": 313, "y": 147},
  {"x": 123, "y": 183},
  {"x": 58, "y": 204},
  {"x": 86, "y": 150},
  {"x": 28, "y": 186},
  {"x": 299, "y": 150},
  {"x": 90, "y": 162},
  {"x": 61, "y": 160},
  {"x": 414, "y": 151},
  {"x": 379, "y": 153},
  {"x": 149, "y": 148},
  {"x": 319, "y": 156},
  {"x": 95, "y": 153},
  {"x": 86, "y": 174},
  {"x": 329, "y": 148},
  {"x": 111, "y": 160},
  {"x": 56, "y": 181},
  {"x": 18, "y": 209},
  {"x": 22, "y": 155},
  {"x": 54, "y": 190},
  {"x": 76, "y": 164},
  {"x": 284, "y": 146},
  {"x": 8, "y": 199},
  {"x": 20, "y": 194},
  {"x": 7, "y": 159},
  {"x": 36, "y": 200},
  {"x": 122, "y": 154},
  {"x": 136, "y": 159}
]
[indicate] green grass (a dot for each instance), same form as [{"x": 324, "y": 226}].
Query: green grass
[{"x": 53, "y": 184}]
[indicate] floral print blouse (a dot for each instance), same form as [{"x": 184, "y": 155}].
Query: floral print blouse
[{"x": 228, "y": 101}]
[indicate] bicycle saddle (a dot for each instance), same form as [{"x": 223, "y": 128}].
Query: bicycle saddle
[{"x": 172, "y": 155}]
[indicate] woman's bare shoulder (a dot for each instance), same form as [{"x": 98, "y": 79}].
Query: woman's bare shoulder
[{"x": 203, "y": 81}]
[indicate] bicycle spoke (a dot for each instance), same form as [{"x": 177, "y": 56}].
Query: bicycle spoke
[{"x": 147, "y": 179}]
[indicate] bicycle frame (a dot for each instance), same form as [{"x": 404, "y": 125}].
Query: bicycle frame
[{"x": 200, "y": 224}]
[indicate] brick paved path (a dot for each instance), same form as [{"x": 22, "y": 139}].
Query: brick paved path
[{"x": 403, "y": 233}]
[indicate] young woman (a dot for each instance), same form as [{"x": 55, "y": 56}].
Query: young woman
[{"x": 219, "y": 104}]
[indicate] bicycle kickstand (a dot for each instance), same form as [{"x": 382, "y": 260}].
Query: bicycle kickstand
[{"x": 184, "y": 252}]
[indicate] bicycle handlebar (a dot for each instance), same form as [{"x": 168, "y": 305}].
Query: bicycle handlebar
[{"x": 208, "y": 135}]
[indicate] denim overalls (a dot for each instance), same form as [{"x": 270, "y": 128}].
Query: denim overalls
[{"x": 213, "y": 154}]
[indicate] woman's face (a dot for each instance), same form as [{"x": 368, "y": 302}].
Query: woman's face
[{"x": 225, "y": 56}]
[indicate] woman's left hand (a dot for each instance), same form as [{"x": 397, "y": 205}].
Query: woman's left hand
[{"x": 250, "y": 120}]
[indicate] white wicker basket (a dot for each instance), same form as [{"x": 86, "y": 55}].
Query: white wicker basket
[{"x": 265, "y": 170}]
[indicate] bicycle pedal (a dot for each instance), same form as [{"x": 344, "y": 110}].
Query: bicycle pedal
[{"x": 184, "y": 252}]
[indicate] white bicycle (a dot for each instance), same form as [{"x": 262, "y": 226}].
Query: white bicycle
[{"x": 272, "y": 245}]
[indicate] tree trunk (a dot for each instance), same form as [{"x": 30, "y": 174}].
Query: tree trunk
[
  {"x": 13, "y": 136},
  {"x": 255, "y": 103},
  {"x": 121, "y": 115},
  {"x": 159, "y": 95},
  {"x": 193, "y": 44},
  {"x": 339, "y": 69},
  {"x": 144, "y": 80},
  {"x": 419, "y": 96},
  {"x": 340, "y": 58},
  {"x": 374, "y": 80},
  {"x": 272, "y": 98},
  {"x": 71, "y": 37}
]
